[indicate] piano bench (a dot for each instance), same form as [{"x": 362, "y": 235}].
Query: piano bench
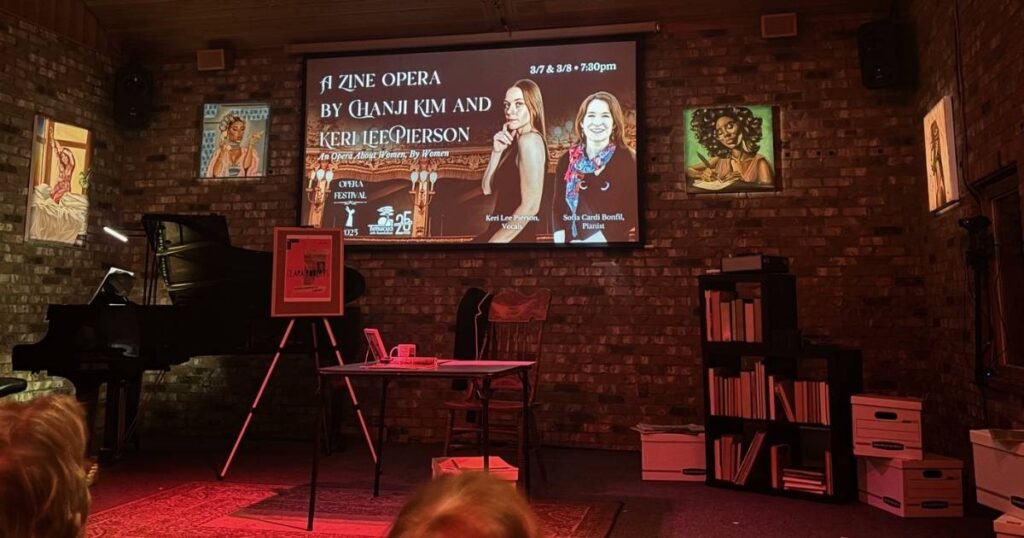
[{"x": 10, "y": 385}]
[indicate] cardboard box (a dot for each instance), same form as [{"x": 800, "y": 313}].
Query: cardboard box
[
  {"x": 673, "y": 456},
  {"x": 887, "y": 427},
  {"x": 462, "y": 464},
  {"x": 1008, "y": 526},
  {"x": 929, "y": 487},
  {"x": 999, "y": 473}
]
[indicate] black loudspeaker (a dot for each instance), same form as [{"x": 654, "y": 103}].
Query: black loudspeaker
[
  {"x": 887, "y": 58},
  {"x": 133, "y": 97}
]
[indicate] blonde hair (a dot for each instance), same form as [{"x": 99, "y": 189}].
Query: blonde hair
[
  {"x": 476, "y": 505},
  {"x": 43, "y": 490}
]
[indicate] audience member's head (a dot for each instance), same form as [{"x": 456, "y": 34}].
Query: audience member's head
[
  {"x": 467, "y": 505},
  {"x": 43, "y": 491}
]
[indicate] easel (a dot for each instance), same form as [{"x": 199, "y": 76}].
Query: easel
[
  {"x": 322, "y": 254},
  {"x": 270, "y": 372}
]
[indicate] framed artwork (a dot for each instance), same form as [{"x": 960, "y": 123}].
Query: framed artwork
[
  {"x": 308, "y": 273},
  {"x": 234, "y": 140},
  {"x": 58, "y": 192},
  {"x": 730, "y": 149},
  {"x": 940, "y": 155}
]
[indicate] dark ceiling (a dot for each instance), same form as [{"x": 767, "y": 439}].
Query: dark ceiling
[{"x": 146, "y": 27}]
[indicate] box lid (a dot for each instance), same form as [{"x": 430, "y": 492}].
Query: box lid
[
  {"x": 930, "y": 461},
  {"x": 985, "y": 438},
  {"x": 672, "y": 438},
  {"x": 879, "y": 400},
  {"x": 1007, "y": 524}
]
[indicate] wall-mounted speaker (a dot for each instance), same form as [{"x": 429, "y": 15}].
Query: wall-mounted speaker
[
  {"x": 778, "y": 25},
  {"x": 212, "y": 59},
  {"x": 133, "y": 97},
  {"x": 887, "y": 55}
]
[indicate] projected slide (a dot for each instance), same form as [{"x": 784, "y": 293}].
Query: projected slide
[{"x": 523, "y": 145}]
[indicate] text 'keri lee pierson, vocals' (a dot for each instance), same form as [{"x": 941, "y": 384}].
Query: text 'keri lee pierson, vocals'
[{"x": 528, "y": 144}]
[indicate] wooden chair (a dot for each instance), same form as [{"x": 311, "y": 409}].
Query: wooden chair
[{"x": 515, "y": 332}]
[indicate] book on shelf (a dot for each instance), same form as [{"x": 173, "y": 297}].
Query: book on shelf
[
  {"x": 728, "y": 451},
  {"x": 733, "y": 316},
  {"x": 743, "y": 395},
  {"x": 750, "y": 458},
  {"x": 779, "y": 455}
]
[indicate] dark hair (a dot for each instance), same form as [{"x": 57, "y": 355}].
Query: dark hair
[
  {"x": 703, "y": 124},
  {"x": 618, "y": 118},
  {"x": 225, "y": 123}
]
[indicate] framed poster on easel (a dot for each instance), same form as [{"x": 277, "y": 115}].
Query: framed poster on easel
[
  {"x": 308, "y": 273},
  {"x": 308, "y": 282}
]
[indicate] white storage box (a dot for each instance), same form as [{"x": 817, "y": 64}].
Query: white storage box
[
  {"x": 673, "y": 456},
  {"x": 1008, "y": 527},
  {"x": 887, "y": 427},
  {"x": 455, "y": 465},
  {"x": 930, "y": 487},
  {"x": 999, "y": 473}
]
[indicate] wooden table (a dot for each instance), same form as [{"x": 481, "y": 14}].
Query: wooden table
[{"x": 481, "y": 371}]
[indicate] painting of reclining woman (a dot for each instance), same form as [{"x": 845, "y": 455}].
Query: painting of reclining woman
[{"x": 58, "y": 204}]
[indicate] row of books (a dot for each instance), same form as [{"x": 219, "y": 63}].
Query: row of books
[
  {"x": 730, "y": 318},
  {"x": 755, "y": 395},
  {"x": 799, "y": 401},
  {"x": 744, "y": 395},
  {"x": 732, "y": 464}
]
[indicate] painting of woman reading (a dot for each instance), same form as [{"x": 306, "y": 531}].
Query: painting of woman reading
[{"x": 730, "y": 149}]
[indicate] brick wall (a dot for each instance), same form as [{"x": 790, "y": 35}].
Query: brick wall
[
  {"x": 993, "y": 102},
  {"x": 622, "y": 342},
  {"x": 46, "y": 74}
]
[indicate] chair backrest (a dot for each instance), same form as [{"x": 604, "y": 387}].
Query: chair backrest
[{"x": 516, "y": 332}]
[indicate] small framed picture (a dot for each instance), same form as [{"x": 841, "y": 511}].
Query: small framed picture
[
  {"x": 308, "y": 276},
  {"x": 58, "y": 191},
  {"x": 234, "y": 140},
  {"x": 730, "y": 149},
  {"x": 940, "y": 156}
]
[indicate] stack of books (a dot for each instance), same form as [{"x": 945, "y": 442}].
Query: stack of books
[{"x": 813, "y": 480}]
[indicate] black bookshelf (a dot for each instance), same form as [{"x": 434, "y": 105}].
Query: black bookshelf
[{"x": 785, "y": 357}]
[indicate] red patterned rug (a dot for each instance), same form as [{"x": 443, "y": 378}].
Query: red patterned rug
[{"x": 218, "y": 509}]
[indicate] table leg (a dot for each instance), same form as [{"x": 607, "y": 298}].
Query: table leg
[
  {"x": 485, "y": 402},
  {"x": 380, "y": 435},
  {"x": 524, "y": 377},
  {"x": 316, "y": 452}
]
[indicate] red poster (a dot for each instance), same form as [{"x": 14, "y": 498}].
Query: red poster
[
  {"x": 308, "y": 272},
  {"x": 307, "y": 268}
]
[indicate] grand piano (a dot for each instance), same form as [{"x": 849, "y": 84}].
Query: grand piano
[{"x": 220, "y": 305}]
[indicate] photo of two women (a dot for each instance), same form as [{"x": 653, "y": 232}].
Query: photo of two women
[{"x": 565, "y": 176}]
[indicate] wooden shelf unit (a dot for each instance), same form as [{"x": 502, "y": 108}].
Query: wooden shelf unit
[{"x": 785, "y": 357}]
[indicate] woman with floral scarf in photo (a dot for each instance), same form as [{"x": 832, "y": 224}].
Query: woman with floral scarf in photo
[{"x": 595, "y": 189}]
